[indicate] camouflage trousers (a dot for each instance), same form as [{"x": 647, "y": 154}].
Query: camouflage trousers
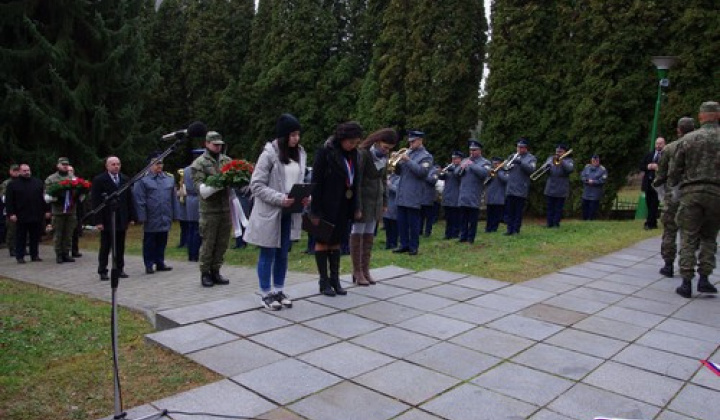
[
  {"x": 10, "y": 228},
  {"x": 215, "y": 232},
  {"x": 668, "y": 247},
  {"x": 698, "y": 218},
  {"x": 63, "y": 226}
]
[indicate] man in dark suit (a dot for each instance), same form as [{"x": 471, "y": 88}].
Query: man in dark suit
[
  {"x": 649, "y": 166},
  {"x": 26, "y": 207},
  {"x": 105, "y": 184}
]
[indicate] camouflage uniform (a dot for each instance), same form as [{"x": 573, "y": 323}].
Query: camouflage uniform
[
  {"x": 668, "y": 247},
  {"x": 64, "y": 220},
  {"x": 695, "y": 168},
  {"x": 10, "y": 226},
  {"x": 215, "y": 223}
]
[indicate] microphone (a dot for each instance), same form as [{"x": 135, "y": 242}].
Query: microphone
[{"x": 174, "y": 135}]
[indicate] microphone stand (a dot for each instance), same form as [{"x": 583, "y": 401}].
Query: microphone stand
[{"x": 111, "y": 201}]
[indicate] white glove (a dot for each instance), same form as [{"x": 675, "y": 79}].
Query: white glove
[
  {"x": 49, "y": 199},
  {"x": 206, "y": 191}
]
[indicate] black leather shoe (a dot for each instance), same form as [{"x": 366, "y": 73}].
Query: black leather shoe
[
  {"x": 67, "y": 258},
  {"x": 76, "y": 254},
  {"x": 218, "y": 278},
  {"x": 149, "y": 270},
  {"x": 163, "y": 268},
  {"x": 704, "y": 286},
  {"x": 21, "y": 260},
  {"x": 413, "y": 252},
  {"x": 400, "y": 250},
  {"x": 685, "y": 289},
  {"x": 123, "y": 275},
  {"x": 206, "y": 279},
  {"x": 35, "y": 259},
  {"x": 59, "y": 259},
  {"x": 104, "y": 277}
]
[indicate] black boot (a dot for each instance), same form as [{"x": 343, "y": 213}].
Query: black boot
[
  {"x": 206, "y": 279},
  {"x": 667, "y": 271},
  {"x": 59, "y": 259},
  {"x": 218, "y": 278},
  {"x": 685, "y": 289},
  {"x": 334, "y": 259},
  {"x": 67, "y": 258},
  {"x": 321, "y": 259},
  {"x": 704, "y": 285}
]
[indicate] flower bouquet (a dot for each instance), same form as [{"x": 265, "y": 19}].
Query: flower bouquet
[
  {"x": 235, "y": 174},
  {"x": 69, "y": 191}
]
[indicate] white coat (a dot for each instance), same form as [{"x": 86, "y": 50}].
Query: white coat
[{"x": 268, "y": 189}]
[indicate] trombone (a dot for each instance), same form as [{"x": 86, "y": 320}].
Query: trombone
[{"x": 546, "y": 167}]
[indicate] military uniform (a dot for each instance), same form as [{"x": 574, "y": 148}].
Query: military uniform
[
  {"x": 592, "y": 191},
  {"x": 10, "y": 226},
  {"x": 64, "y": 216},
  {"x": 429, "y": 208},
  {"x": 472, "y": 183},
  {"x": 557, "y": 187},
  {"x": 215, "y": 222},
  {"x": 668, "y": 246},
  {"x": 450, "y": 196},
  {"x": 495, "y": 198},
  {"x": 413, "y": 174},
  {"x": 517, "y": 188},
  {"x": 695, "y": 169}
]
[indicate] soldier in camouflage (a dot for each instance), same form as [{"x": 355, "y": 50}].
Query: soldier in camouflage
[
  {"x": 668, "y": 247},
  {"x": 10, "y": 226},
  {"x": 215, "y": 222},
  {"x": 64, "y": 218},
  {"x": 695, "y": 170}
]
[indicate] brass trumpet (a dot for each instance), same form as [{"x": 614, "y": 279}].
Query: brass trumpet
[
  {"x": 546, "y": 167},
  {"x": 493, "y": 172},
  {"x": 395, "y": 158}
]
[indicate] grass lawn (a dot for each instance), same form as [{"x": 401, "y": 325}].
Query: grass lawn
[{"x": 55, "y": 351}]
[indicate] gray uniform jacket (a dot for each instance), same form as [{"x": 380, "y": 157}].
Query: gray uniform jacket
[
  {"x": 192, "y": 201},
  {"x": 593, "y": 191},
  {"x": 518, "y": 184},
  {"x": 413, "y": 174},
  {"x": 156, "y": 201},
  {"x": 558, "y": 182},
  {"x": 268, "y": 188},
  {"x": 430, "y": 194},
  {"x": 392, "y": 184},
  {"x": 451, "y": 190},
  {"x": 495, "y": 192},
  {"x": 472, "y": 182}
]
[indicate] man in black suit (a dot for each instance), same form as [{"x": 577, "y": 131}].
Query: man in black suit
[
  {"x": 26, "y": 207},
  {"x": 649, "y": 166},
  {"x": 105, "y": 184}
]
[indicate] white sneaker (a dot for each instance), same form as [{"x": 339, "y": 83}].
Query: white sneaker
[
  {"x": 283, "y": 299},
  {"x": 270, "y": 302}
]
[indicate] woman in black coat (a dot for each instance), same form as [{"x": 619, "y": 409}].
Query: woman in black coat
[{"x": 334, "y": 200}]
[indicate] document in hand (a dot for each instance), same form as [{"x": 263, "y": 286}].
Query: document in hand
[
  {"x": 322, "y": 231},
  {"x": 298, "y": 192}
]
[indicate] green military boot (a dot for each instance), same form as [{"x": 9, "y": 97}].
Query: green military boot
[{"x": 685, "y": 289}]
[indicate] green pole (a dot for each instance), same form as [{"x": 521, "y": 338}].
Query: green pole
[{"x": 641, "y": 210}]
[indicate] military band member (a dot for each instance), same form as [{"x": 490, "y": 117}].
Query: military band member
[
  {"x": 519, "y": 167},
  {"x": 413, "y": 169},
  {"x": 593, "y": 178},
  {"x": 694, "y": 169},
  {"x": 450, "y": 196},
  {"x": 472, "y": 172},
  {"x": 428, "y": 209},
  {"x": 668, "y": 246},
  {"x": 495, "y": 196},
  {"x": 557, "y": 186}
]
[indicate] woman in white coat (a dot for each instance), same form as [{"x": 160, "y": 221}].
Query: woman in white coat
[{"x": 280, "y": 165}]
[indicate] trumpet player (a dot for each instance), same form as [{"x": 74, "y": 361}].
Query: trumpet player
[
  {"x": 519, "y": 167},
  {"x": 495, "y": 196},
  {"x": 451, "y": 194},
  {"x": 593, "y": 178},
  {"x": 473, "y": 172},
  {"x": 413, "y": 169},
  {"x": 557, "y": 186}
]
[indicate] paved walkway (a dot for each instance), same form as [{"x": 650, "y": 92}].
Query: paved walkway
[{"x": 605, "y": 338}]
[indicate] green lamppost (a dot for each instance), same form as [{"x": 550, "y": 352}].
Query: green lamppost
[{"x": 663, "y": 64}]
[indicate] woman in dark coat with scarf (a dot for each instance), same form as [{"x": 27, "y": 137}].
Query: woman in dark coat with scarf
[{"x": 334, "y": 200}]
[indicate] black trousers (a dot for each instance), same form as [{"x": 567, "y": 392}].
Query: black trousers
[
  {"x": 105, "y": 247},
  {"x": 653, "y": 204},
  {"x": 27, "y": 233}
]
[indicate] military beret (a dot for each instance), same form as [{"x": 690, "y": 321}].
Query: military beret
[
  {"x": 457, "y": 153},
  {"x": 474, "y": 144},
  {"x": 522, "y": 142},
  {"x": 214, "y": 137},
  {"x": 710, "y": 106},
  {"x": 415, "y": 134},
  {"x": 64, "y": 161}
]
